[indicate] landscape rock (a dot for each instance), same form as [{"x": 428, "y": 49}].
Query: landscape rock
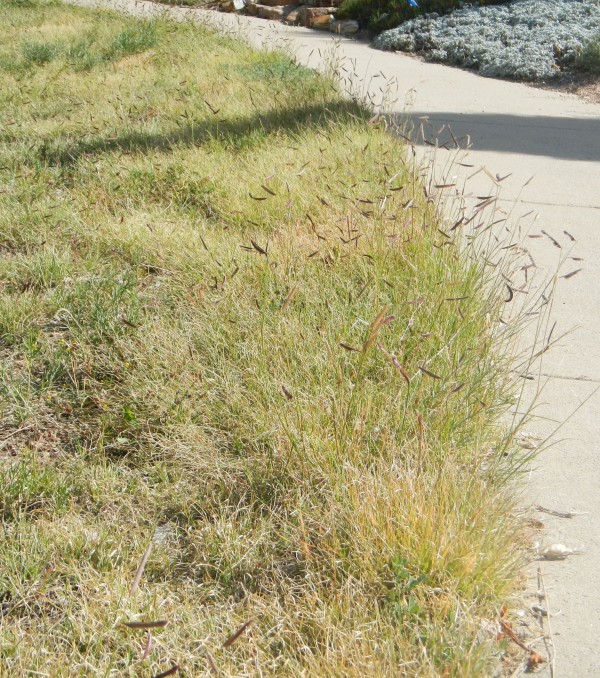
[
  {"x": 312, "y": 17},
  {"x": 321, "y": 22},
  {"x": 278, "y": 3},
  {"x": 346, "y": 27},
  {"x": 270, "y": 13},
  {"x": 313, "y": 13},
  {"x": 293, "y": 17}
]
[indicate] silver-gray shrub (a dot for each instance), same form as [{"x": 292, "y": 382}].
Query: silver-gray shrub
[{"x": 526, "y": 39}]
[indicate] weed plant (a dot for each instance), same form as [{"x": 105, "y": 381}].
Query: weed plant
[{"x": 230, "y": 310}]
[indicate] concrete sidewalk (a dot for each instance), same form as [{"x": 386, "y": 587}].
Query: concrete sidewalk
[{"x": 523, "y": 132}]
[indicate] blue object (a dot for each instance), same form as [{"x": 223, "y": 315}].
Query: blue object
[{"x": 413, "y": 3}]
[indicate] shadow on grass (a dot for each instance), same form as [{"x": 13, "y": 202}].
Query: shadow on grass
[{"x": 240, "y": 133}]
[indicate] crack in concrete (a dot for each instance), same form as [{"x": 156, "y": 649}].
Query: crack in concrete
[
  {"x": 549, "y": 204},
  {"x": 591, "y": 380}
]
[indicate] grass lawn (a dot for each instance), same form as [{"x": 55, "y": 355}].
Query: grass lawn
[{"x": 233, "y": 326}]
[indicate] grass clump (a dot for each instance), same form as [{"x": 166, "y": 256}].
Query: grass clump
[
  {"x": 97, "y": 43},
  {"x": 131, "y": 40},
  {"x": 39, "y": 53},
  {"x": 21, "y": 3},
  {"x": 230, "y": 312},
  {"x": 589, "y": 57}
]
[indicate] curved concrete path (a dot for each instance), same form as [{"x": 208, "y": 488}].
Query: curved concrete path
[{"x": 525, "y": 132}]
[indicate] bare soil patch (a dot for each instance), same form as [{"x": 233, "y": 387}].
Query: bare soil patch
[{"x": 585, "y": 86}]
